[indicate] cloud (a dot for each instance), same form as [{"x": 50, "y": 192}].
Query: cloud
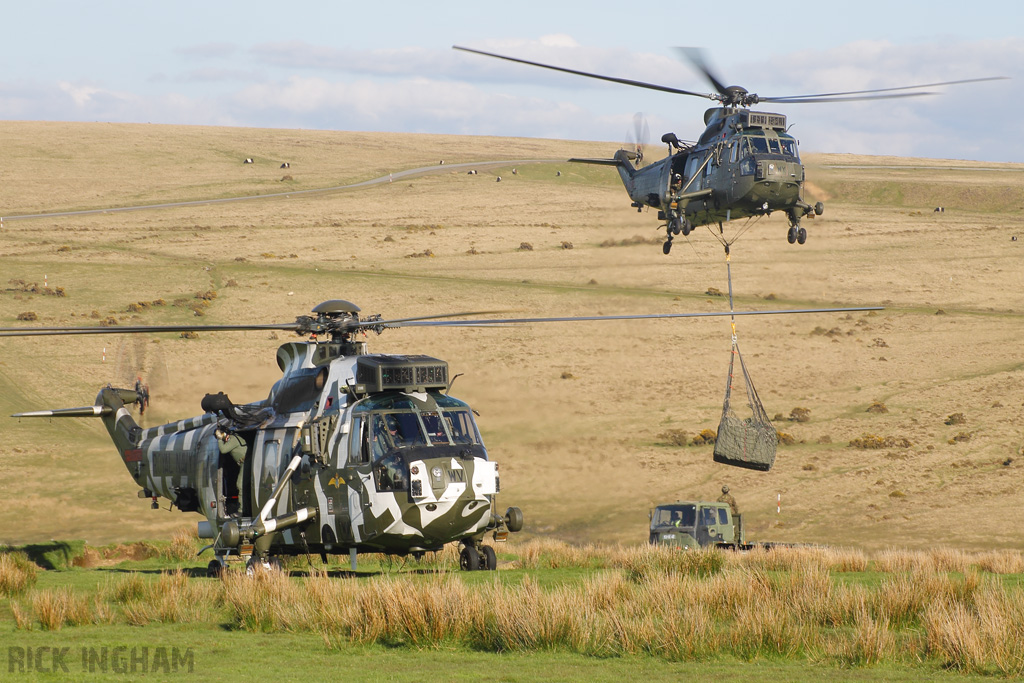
[
  {"x": 208, "y": 51},
  {"x": 438, "y": 90},
  {"x": 415, "y": 105}
]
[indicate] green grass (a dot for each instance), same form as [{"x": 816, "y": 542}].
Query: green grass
[
  {"x": 221, "y": 654},
  {"x": 609, "y": 613}
]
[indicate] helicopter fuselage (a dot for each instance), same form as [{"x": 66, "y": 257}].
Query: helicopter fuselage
[
  {"x": 744, "y": 165},
  {"x": 350, "y": 453}
]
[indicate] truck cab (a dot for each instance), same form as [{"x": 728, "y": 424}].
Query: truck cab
[{"x": 695, "y": 524}]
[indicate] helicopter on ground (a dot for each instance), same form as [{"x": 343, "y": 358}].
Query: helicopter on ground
[
  {"x": 744, "y": 165},
  {"x": 351, "y": 452}
]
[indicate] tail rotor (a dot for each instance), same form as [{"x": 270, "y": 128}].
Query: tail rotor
[{"x": 638, "y": 139}]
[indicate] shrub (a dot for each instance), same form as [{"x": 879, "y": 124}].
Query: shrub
[
  {"x": 800, "y": 415},
  {"x": 956, "y": 419},
  {"x": 874, "y": 442},
  {"x": 674, "y": 437},
  {"x": 705, "y": 438},
  {"x": 28, "y": 316}
]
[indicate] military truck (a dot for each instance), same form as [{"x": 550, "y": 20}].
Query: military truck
[{"x": 697, "y": 524}]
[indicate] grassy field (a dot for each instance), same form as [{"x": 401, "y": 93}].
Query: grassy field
[
  {"x": 583, "y": 419},
  {"x": 552, "y": 612}
]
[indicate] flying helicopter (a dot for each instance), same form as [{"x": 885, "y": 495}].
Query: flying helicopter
[
  {"x": 351, "y": 452},
  {"x": 744, "y": 165}
]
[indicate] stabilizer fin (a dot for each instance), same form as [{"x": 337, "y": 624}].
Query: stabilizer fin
[{"x": 599, "y": 162}]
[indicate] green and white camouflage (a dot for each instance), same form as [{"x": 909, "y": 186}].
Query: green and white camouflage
[{"x": 350, "y": 453}]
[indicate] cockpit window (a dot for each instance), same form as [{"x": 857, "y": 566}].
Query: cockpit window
[
  {"x": 789, "y": 146},
  {"x": 462, "y": 427},
  {"x": 757, "y": 145},
  {"x": 394, "y": 430},
  {"x": 773, "y": 146},
  {"x": 435, "y": 428},
  {"x": 389, "y": 422}
]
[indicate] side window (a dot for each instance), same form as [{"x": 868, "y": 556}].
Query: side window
[
  {"x": 735, "y": 147},
  {"x": 692, "y": 164},
  {"x": 707, "y": 516},
  {"x": 723, "y": 516},
  {"x": 358, "y": 446}
]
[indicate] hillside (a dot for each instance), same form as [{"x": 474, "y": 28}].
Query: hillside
[{"x": 579, "y": 416}]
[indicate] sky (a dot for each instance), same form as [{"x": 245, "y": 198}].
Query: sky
[{"x": 389, "y": 67}]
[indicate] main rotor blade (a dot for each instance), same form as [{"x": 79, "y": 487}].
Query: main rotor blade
[
  {"x": 696, "y": 57},
  {"x": 649, "y": 316},
  {"x": 380, "y": 325},
  {"x": 814, "y": 98},
  {"x": 136, "y": 329},
  {"x": 624, "y": 81}
]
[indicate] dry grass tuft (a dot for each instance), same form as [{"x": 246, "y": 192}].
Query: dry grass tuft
[
  {"x": 183, "y": 545},
  {"x": 1001, "y": 562},
  {"x": 59, "y": 607},
  {"x": 17, "y": 573},
  {"x": 172, "y": 598}
]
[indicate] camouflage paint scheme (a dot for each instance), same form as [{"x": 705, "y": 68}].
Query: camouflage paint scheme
[{"x": 340, "y": 491}]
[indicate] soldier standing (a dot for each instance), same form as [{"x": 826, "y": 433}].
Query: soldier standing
[
  {"x": 233, "y": 445},
  {"x": 726, "y": 498}
]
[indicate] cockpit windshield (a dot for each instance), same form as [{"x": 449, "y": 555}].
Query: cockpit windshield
[
  {"x": 784, "y": 144},
  {"x": 756, "y": 145},
  {"x": 388, "y": 423},
  {"x": 674, "y": 515}
]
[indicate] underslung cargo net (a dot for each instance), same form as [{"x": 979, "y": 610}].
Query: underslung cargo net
[{"x": 746, "y": 437}]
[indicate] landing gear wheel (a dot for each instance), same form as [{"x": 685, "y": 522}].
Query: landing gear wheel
[
  {"x": 469, "y": 559},
  {"x": 674, "y": 226},
  {"x": 801, "y": 235},
  {"x": 667, "y": 247},
  {"x": 791, "y": 235},
  {"x": 514, "y": 519},
  {"x": 687, "y": 227},
  {"x": 489, "y": 559},
  {"x": 215, "y": 569},
  {"x": 255, "y": 565}
]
